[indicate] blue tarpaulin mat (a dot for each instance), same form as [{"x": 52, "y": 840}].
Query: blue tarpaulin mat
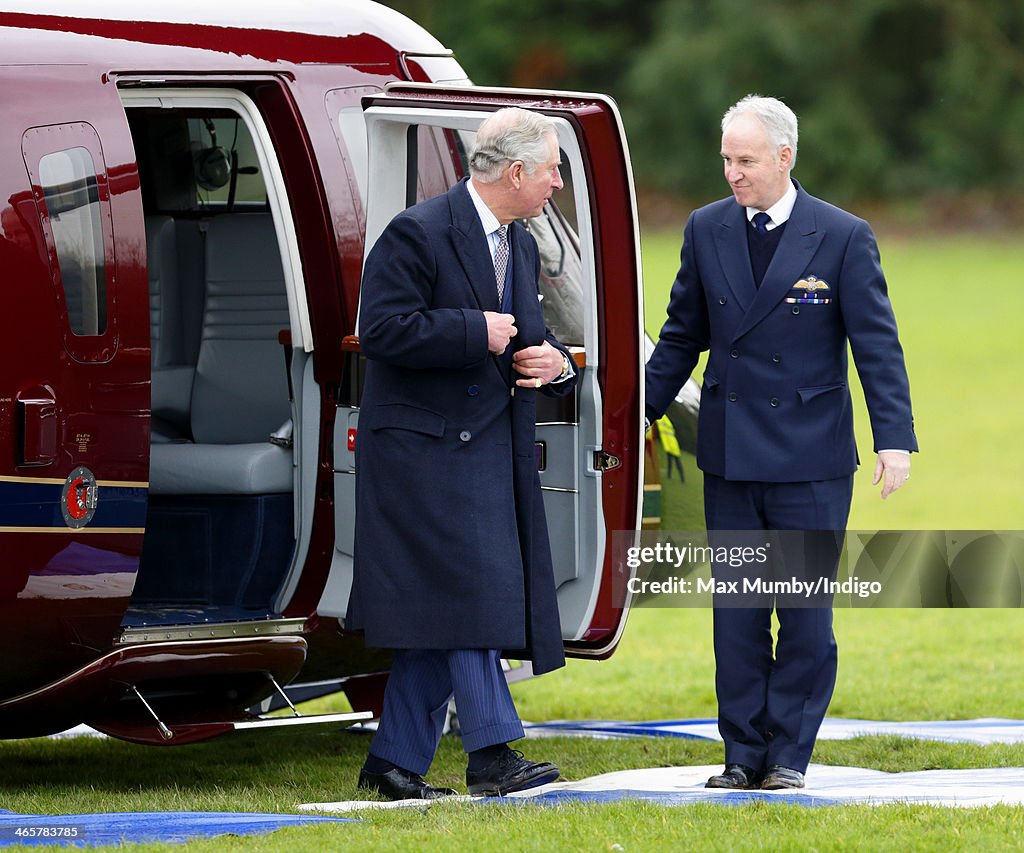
[
  {"x": 981, "y": 731},
  {"x": 169, "y": 827}
]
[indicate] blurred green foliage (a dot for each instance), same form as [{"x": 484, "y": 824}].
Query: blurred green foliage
[{"x": 896, "y": 98}]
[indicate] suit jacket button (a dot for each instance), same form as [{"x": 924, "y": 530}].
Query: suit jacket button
[
  {"x": 776, "y": 358},
  {"x": 473, "y": 390},
  {"x": 733, "y": 396},
  {"x": 796, "y": 309},
  {"x": 465, "y": 435},
  {"x": 722, "y": 300},
  {"x": 774, "y": 401},
  {"x": 734, "y": 354}
]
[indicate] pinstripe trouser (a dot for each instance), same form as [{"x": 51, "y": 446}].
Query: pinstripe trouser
[{"x": 416, "y": 702}]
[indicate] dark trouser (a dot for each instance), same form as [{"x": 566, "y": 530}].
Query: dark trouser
[
  {"x": 770, "y": 707},
  {"x": 416, "y": 702}
]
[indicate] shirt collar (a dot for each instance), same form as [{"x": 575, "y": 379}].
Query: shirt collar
[
  {"x": 487, "y": 218},
  {"x": 781, "y": 210}
]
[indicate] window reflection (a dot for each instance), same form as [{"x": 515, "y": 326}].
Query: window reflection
[{"x": 68, "y": 180}]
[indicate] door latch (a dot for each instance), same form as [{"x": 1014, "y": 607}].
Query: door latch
[{"x": 605, "y": 461}]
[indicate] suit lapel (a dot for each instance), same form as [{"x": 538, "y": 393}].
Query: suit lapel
[
  {"x": 471, "y": 249},
  {"x": 799, "y": 242},
  {"x": 734, "y": 255}
]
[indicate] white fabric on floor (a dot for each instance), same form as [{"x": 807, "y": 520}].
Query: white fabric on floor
[
  {"x": 81, "y": 730},
  {"x": 826, "y": 786},
  {"x": 981, "y": 731}
]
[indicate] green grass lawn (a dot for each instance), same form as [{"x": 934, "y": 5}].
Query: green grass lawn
[{"x": 894, "y": 664}]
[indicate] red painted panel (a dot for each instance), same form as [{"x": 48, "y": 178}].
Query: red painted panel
[{"x": 63, "y": 591}]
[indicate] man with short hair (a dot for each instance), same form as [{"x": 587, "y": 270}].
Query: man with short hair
[
  {"x": 775, "y": 282},
  {"x": 452, "y": 560}
]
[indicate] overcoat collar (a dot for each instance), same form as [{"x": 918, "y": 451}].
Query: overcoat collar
[{"x": 799, "y": 242}]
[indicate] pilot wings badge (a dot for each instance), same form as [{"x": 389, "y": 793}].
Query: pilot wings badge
[{"x": 811, "y": 284}]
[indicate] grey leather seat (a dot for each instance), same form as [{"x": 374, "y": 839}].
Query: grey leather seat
[
  {"x": 239, "y": 393},
  {"x": 172, "y": 373},
  {"x": 165, "y": 323}
]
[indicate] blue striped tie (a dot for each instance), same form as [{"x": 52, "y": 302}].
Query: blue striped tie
[{"x": 761, "y": 220}]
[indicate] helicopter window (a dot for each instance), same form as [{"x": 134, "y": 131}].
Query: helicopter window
[
  {"x": 68, "y": 181},
  {"x": 435, "y": 169},
  {"x": 223, "y": 162}
]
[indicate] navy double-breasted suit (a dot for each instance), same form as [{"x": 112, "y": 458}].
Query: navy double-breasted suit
[
  {"x": 775, "y": 431},
  {"x": 451, "y": 547},
  {"x": 775, "y": 405}
]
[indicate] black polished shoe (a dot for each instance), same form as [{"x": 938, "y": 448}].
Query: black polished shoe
[
  {"x": 400, "y": 784},
  {"x": 736, "y": 776},
  {"x": 778, "y": 777},
  {"x": 509, "y": 772}
]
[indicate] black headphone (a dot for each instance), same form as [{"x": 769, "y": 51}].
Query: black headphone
[{"x": 212, "y": 166}]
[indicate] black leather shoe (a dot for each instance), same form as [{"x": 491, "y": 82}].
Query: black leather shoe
[
  {"x": 400, "y": 784},
  {"x": 779, "y": 777},
  {"x": 509, "y": 772},
  {"x": 737, "y": 776}
]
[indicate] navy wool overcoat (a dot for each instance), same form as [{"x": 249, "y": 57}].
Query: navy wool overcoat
[{"x": 451, "y": 542}]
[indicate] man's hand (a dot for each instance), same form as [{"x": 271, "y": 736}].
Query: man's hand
[
  {"x": 893, "y": 469},
  {"x": 542, "y": 364},
  {"x": 500, "y": 330}
]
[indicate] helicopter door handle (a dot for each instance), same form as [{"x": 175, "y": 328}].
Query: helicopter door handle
[{"x": 38, "y": 409}]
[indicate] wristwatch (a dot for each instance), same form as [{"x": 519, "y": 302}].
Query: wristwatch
[{"x": 565, "y": 366}]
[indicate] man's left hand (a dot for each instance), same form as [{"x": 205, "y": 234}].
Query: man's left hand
[
  {"x": 541, "y": 364},
  {"x": 893, "y": 470}
]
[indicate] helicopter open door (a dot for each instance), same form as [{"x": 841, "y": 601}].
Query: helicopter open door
[{"x": 589, "y": 445}]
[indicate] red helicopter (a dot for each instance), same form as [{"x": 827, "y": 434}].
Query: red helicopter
[{"x": 190, "y": 189}]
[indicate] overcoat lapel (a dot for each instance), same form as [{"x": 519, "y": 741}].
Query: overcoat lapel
[
  {"x": 799, "y": 242},
  {"x": 471, "y": 249},
  {"x": 474, "y": 255},
  {"x": 734, "y": 255}
]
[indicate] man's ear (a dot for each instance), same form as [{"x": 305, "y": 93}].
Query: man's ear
[
  {"x": 515, "y": 173},
  {"x": 785, "y": 156}
]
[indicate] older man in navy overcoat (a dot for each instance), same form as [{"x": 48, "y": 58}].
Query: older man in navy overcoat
[
  {"x": 775, "y": 282},
  {"x": 452, "y": 560}
]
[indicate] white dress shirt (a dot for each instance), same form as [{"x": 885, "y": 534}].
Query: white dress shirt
[
  {"x": 487, "y": 219},
  {"x": 779, "y": 212}
]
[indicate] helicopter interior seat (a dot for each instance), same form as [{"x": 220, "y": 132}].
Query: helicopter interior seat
[
  {"x": 239, "y": 393},
  {"x": 220, "y": 503},
  {"x": 172, "y": 374},
  {"x": 164, "y": 316}
]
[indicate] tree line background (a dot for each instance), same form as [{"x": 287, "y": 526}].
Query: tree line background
[{"x": 914, "y": 105}]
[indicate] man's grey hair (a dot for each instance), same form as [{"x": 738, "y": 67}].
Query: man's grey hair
[
  {"x": 510, "y": 134},
  {"x": 778, "y": 119}
]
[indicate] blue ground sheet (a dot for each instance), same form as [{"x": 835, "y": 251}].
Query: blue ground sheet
[{"x": 83, "y": 830}]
